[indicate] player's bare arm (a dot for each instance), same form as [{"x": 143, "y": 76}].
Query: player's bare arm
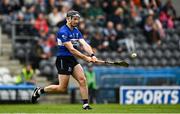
[
  {"x": 88, "y": 49},
  {"x": 77, "y": 53}
]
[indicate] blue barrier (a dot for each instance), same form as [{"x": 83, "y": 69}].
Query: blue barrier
[
  {"x": 16, "y": 87},
  {"x": 109, "y": 78},
  {"x": 132, "y": 72}
]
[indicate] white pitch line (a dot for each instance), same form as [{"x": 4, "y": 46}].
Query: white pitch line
[{"x": 91, "y": 113}]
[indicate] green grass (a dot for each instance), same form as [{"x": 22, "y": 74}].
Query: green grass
[{"x": 97, "y": 108}]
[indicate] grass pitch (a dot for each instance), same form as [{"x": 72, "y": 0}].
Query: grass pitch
[{"x": 97, "y": 108}]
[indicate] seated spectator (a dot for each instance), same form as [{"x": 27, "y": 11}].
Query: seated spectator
[
  {"x": 63, "y": 10},
  {"x": 117, "y": 16},
  {"x": 43, "y": 35},
  {"x": 153, "y": 30},
  {"x": 95, "y": 12},
  {"x": 51, "y": 42},
  {"x": 40, "y": 6},
  {"x": 120, "y": 35},
  {"x": 170, "y": 22},
  {"x": 5, "y": 7},
  {"x": 21, "y": 28},
  {"x": 109, "y": 30},
  {"x": 134, "y": 13},
  {"x": 126, "y": 12},
  {"x": 29, "y": 15},
  {"x": 96, "y": 42},
  {"x": 166, "y": 20},
  {"x": 41, "y": 23},
  {"x": 54, "y": 17},
  {"x": 170, "y": 9},
  {"x": 45, "y": 47},
  {"x": 120, "y": 32},
  {"x": 26, "y": 76},
  {"x": 113, "y": 45}
]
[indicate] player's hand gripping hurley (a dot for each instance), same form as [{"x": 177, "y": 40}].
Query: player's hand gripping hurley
[{"x": 117, "y": 63}]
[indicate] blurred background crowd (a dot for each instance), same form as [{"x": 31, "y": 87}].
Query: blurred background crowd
[
  {"x": 105, "y": 24},
  {"x": 114, "y": 28}
]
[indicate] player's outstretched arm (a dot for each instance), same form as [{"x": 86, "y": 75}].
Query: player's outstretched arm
[
  {"x": 77, "y": 53},
  {"x": 88, "y": 49}
]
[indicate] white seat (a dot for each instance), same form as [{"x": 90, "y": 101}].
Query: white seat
[
  {"x": 12, "y": 94},
  {"x": 4, "y": 94},
  {"x": 23, "y": 95},
  {"x": 4, "y": 70}
]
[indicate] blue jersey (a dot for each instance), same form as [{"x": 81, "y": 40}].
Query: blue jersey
[{"x": 65, "y": 34}]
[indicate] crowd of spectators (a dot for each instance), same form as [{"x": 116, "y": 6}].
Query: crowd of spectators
[{"x": 103, "y": 21}]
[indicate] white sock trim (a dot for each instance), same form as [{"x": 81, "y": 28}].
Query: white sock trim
[
  {"x": 85, "y": 105},
  {"x": 39, "y": 92}
]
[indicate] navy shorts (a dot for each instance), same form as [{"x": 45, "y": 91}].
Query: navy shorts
[{"x": 66, "y": 64}]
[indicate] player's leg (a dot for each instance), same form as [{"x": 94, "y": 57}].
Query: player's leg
[
  {"x": 62, "y": 87},
  {"x": 78, "y": 74}
]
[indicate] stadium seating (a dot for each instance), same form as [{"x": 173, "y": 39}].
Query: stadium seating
[{"x": 11, "y": 92}]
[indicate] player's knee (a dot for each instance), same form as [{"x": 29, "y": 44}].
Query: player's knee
[{"x": 82, "y": 81}]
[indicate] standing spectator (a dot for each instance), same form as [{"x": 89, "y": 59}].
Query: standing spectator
[{"x": 91, "y": 80}]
